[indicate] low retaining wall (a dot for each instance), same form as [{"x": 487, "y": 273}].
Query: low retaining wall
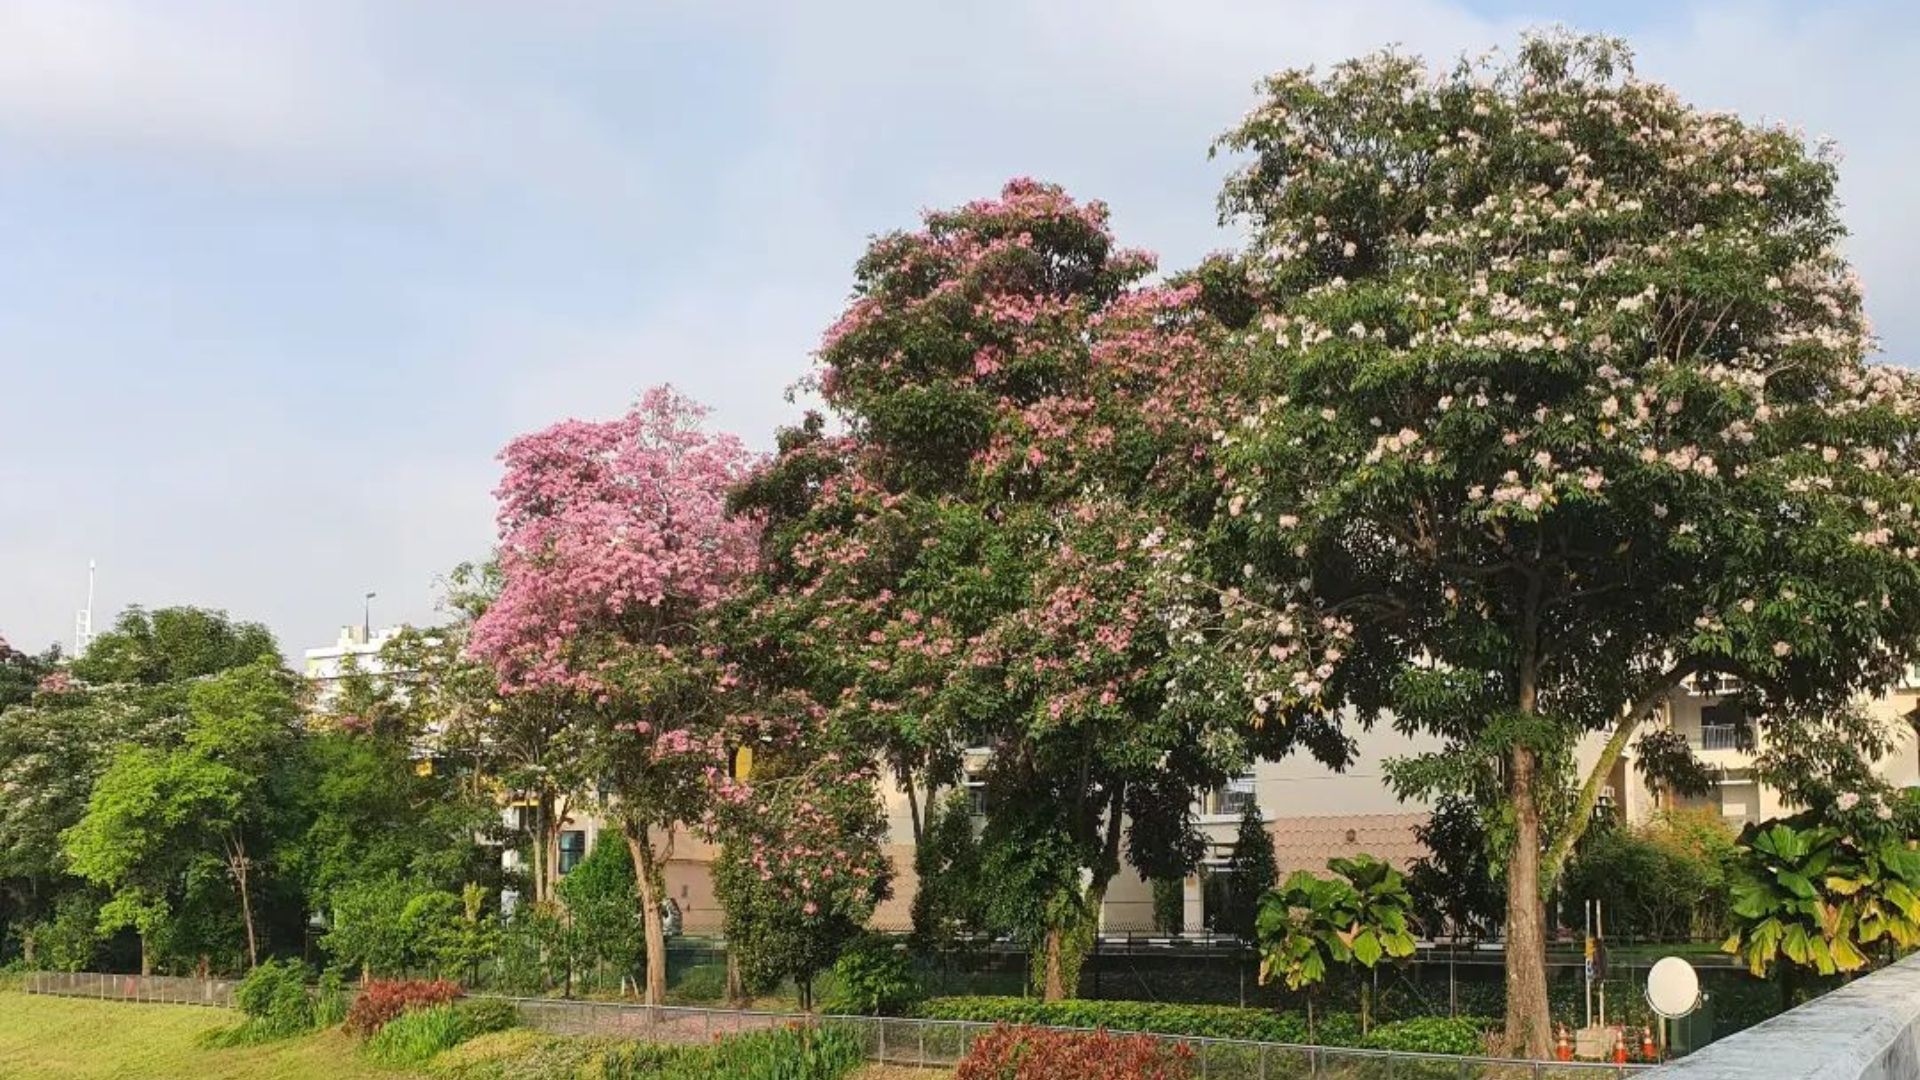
[{"x": 1868, "y": 1029}]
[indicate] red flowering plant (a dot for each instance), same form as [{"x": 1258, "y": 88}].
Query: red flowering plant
[
  {"x": 1017, "y": 1053},
  {"x": 616, "y": 545},
  {"x": 382, "y": 1001}
]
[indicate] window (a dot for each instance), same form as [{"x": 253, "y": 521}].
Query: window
[
  {"x": 1230, "y": 799},
  {"x": 976, "y": 787},
  {"x": 573, "y": 848}
]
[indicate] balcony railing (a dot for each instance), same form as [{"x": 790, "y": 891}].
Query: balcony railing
[{"x": 1719, "y": 736}]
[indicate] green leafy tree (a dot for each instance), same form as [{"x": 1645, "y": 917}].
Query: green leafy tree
[
  {"x": 1251, "y": 874},
  {"x": 158, "y": 817},
  {"x": 20, "y": 673},
  {"x": 365, "y": 930},
  {"x": 598, "y": 896},
  {"x": 172, "y": 645},
  {"x": 1455, "y": 884},
  {"x": 1359, "y": 915},
  {"x": 150, "y": 818},
  {"x": 1662, "y": 881},
  {"x": 947, "y": 900},
  {"x": 1557, "y": 397}
]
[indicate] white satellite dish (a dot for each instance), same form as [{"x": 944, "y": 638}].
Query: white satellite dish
[{"x": 1673, "y": 988}]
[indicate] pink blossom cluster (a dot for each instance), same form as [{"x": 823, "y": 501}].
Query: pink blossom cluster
[{"x": 612, "y": 532}]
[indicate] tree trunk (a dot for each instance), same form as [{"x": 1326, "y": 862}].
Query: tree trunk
[
  {"x": 1529, "y": 1024},
  {"x": 146, "y": 957},
  {"x": 240, "y": 865},
  {"x": 736, "y": 987},
  {"x": 553, "y": 818},
  {"x": 1087, "y": 925},
  {"x": 1054, "y": 988},
  {"x": 645, "y": 872}
]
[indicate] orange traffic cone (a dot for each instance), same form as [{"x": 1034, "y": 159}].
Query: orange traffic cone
[
  {"x": 1648, "y": 1051},
  {"x": 1563, "y": 1046},
  {"x": 1620, "y": 1049}
]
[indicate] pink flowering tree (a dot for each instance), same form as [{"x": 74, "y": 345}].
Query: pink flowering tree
[
  {"x": 615, "y": 547},
  {"x": 971, "y": 564},
  {"x": 802, "y": 831},
  {"x": 1557, "y": 399}
]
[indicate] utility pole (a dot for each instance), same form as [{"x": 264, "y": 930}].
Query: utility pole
[
  {"x": 366, "y": 619},
  {"x": 83, "y": 619}
]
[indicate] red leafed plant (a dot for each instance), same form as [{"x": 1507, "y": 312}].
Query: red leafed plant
[
  {"x": 382, "y": 1000},
  {"x": 1020, "y": 1053}
]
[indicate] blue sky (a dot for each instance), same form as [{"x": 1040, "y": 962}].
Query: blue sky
[{"x": 278, "y": 279}]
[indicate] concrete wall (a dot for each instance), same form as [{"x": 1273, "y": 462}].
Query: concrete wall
[{"x": 1866, "y": 1030}]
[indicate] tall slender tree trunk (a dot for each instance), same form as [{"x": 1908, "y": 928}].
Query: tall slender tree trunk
[
  {"x": 646, "y": 879},
  {"x": 146, "y": 957},
  {"x": 1529, "y": 1024},
  {"x": 242, "y": 867},
  {"x": 554, "y": 817}
]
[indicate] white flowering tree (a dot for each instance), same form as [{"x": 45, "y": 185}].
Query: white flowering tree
[{"x": 1556, "y": 397}]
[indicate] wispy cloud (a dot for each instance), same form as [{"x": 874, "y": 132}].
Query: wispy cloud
[{"x": 282, "y": 276}]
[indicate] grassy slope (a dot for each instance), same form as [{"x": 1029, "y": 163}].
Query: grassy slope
[{"x": 73, "y": 1039}]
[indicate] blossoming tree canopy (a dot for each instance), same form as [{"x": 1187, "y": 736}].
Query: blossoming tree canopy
[
  {"x": 616, "y": 544},
  {"x": 1027, "y": 423},
  {"x": 612, "y": 530},
  {"x": 1558, "y": 398}
]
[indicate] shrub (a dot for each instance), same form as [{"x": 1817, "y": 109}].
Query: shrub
[
  {"x": 331, "y": 1001},
  {"x": 418, "y": 1035},
  {"x": 484, "y": 1016},
  {"x": 519, "y": 1054},
  {"x": 785, "y": 1054},
  {"x": 1012, "y": 1053},
  {"x": 873, "y": 977},
  {"x": 1431, "y": 1035},
  {"x": 699, "y": 983},
  {"x": 415, "y": 1036},
  {"x": 274, "y": 998},
  {"x": 383, "y": 1000}
]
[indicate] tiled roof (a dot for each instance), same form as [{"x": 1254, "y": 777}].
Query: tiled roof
[{"x": 1306, "y": 843}]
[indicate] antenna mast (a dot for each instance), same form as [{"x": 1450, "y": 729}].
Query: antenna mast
[{"x": 83, "y": 619}]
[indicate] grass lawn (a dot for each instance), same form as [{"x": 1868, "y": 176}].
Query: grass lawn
[{"x": 75, "y": 1039}]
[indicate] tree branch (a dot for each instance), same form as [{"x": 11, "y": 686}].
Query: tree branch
[{"x": 1616, "y": 745}]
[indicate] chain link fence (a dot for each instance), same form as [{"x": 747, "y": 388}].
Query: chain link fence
[
  {"x": 897, "y": 1041},
  {"x": 941, "y": 1044},
  {"x": 157, "y": 989}
]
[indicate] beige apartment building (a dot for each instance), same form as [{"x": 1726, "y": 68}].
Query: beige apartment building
[{"x": 1313, "y": 813}]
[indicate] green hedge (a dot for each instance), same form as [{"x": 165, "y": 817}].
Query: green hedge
[
  {"x": 1434, "y": 1034},
  {"x": 1212, "y": 1021}
]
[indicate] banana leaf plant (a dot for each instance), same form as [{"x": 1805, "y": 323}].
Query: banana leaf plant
[
  {"x": 1812, "y": 897},
  {"x": 1360, "y": 915}
]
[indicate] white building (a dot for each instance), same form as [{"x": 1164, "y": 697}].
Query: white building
[{"x": 357, "y": 649}]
